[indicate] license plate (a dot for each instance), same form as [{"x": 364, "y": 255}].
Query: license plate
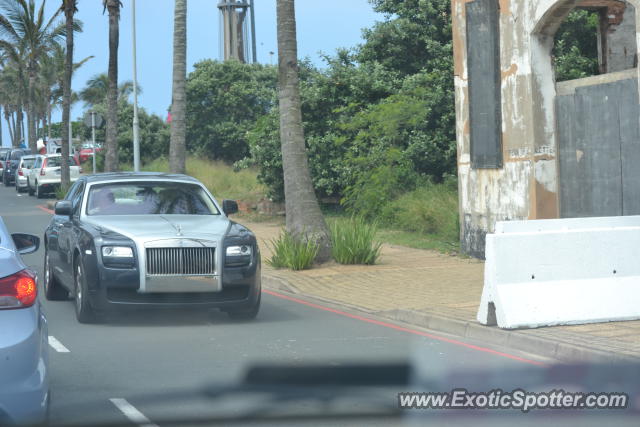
[{"x": 57, "y": 172}]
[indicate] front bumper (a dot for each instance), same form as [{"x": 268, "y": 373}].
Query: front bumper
[{"x": 117, "y": 287}]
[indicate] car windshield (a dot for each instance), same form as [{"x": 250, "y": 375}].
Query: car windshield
[
  {"x": 150, "y": 198},
  {"x": 53, "y": 162}
]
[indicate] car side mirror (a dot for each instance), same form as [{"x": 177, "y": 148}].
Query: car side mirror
[
  {"x": 229, "y": 207},
  {"x": 26, "y": 243},
  {"x": 63, "y": 207}
]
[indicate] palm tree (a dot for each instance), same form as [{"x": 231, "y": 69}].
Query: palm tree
[
  {"x": 303, "y": 216},
  {"x": 97, "y": 88},
  {"x": 111, "y": 140},
  {"x": 70, "y": 8},
  {"x": 52, "y": 74},
  {"x": 26, "y": 30},
  {"x": 179, "y": 97}
]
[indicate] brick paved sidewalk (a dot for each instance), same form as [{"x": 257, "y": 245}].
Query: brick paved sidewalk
[{"x": 421, "y": 286}]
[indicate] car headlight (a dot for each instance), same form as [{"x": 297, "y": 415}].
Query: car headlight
[
  {"x": 244, "y": 250},
  {"x": 117, "y": 252}
]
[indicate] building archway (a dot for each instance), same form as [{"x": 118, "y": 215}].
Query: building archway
[{"x": 589, "y": 127}]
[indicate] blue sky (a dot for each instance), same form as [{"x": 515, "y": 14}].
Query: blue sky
[{"x": 323, "y": 26}]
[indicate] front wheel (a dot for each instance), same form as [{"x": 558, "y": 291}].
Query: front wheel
[
  {"x": 53, "y": 291},
  {"x": 84, "y": 311},
  {"x": 248, "y": 314}
]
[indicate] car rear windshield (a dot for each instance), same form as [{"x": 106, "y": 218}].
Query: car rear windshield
[
  {"x": 53, "y": 162},
  {"x": 17, "y": 154},
  {"x": 150, "y": 198},
  {"x": 28, "y": 163}
]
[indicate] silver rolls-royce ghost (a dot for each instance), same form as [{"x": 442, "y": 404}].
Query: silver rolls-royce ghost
[{"x": 149, "y": 239}]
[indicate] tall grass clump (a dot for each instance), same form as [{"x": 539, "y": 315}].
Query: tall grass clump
[
  {"x": 429, "y": 209},
  {"x": 353, "y": 241},
  {"x": 292, "y": 253}
]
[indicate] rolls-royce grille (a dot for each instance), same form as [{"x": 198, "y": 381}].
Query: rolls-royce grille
[{"x": 180, "y": 261}]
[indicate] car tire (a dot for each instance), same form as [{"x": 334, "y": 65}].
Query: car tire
[
  {"x": 249, "y": 314},
  {"x": 84, "y": 311},
  {"x": 30, "y": 190},
  {"x": 39, "y": 194},
  {"x": 5, "y": 181},
  {"x": 53, "y": 291}
]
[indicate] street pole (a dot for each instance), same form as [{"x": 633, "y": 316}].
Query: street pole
[
  {"x": 93, "y": 138},
  {"x": 136, "y": 124}
]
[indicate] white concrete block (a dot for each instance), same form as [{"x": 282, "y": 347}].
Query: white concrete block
[{"x": 560, "y": 272}]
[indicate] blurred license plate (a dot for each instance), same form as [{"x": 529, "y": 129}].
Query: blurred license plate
[{"x": 58, "y": 172}]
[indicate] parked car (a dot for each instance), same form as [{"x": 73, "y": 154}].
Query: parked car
[
  {"x": 22, "y": 173},
  {"x": 149, "y": 240},
  {"x": 24, "y": 366},
  {"x": 11, "y": 160},
  {"x": 45, "y": 175},
  {"x": 86, "y": 152},
  {"x": 3, "y": 153}
]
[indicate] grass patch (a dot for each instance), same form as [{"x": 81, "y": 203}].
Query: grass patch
[
  {"x": 61, "y": 191},
  {"x": 292, "y": 253},
  {"x": 354, "y": 241},
  {"x": 430, "y": 210},
  {"x": 221, "y": 179}
]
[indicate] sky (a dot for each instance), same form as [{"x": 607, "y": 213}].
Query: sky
[{"x": 323, "y": 26}]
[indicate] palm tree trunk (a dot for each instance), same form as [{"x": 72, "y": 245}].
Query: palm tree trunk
[
  {"x": 8, "y": 117},
  {"x": 65, "y": 174},
  {"x": 178, "y": 106},
  {"x": 14, "y": 136},
  {"x": 111, "y": 140},
  {"x": 303, "y": 216},
  {"x": 49, "y": 122},
  {"x": 31, "y": 111}
]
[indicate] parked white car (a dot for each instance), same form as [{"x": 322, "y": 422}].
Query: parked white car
[
  {"x": 45, "y": 175},
  {"x": 22, "y": 173}
]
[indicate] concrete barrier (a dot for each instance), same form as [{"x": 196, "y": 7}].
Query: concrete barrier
[{"x": 562, "y": 272}]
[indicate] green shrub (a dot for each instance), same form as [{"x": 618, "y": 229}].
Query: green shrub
[
  {"x": 429, "y": 209},
  {"x": 353, "y": 241},
  {"x": 291, "y": 252},
  {"x": 61, "y": 192},
  {"x": 377, "y": 185}
]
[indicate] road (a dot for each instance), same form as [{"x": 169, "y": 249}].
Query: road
[{"x": 100, "y": 372}]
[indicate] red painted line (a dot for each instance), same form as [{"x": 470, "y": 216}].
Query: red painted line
[
  {"x": 402, "y": 329},
  {"x": 42, "y": 208}
]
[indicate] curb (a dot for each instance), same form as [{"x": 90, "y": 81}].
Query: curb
[{"x": 514, "y": 339}]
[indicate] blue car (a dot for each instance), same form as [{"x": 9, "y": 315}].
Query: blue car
[{"x": 24, "y": 357}]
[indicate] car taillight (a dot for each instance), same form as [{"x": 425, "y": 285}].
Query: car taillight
[
  {"x": 20, "y": 172},
  {"x": 1, "y": 165},
  {"x": 44, "y": 165},
  {"x": 18, "y": 290}
]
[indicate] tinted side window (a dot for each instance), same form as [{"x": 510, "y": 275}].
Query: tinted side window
[
  {"x": 76, "y": 200},
  {"x": 72, "y": 191},
  {"x": 16, "y": 155}
]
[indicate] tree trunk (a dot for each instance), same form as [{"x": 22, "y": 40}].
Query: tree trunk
[
  {"x": 111, "y": 140},
  {"x": 303, "y": 216},
  {"x": 65, "y": 174},
  {"x": 31, "y": 110},
  {"x": 19, "y": 128},
  {"x": 177, "y": 161},
  {"x": 49, "y": 108},
  {"x": 8, "y": 117},
  {"x": 14, "y": 134}
]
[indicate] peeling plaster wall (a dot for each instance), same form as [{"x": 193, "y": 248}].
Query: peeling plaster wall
[{"x": 527, "y": 186}]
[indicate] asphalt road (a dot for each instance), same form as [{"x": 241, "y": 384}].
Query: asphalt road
[{"x": 134, "y": 355}]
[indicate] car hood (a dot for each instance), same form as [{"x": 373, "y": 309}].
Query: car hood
[{"x": 154, "y": 227}]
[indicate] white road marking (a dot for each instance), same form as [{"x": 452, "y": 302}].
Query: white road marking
[
  {"x": 57, "y": 345},
  {"x": 132, "y": 412}
]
